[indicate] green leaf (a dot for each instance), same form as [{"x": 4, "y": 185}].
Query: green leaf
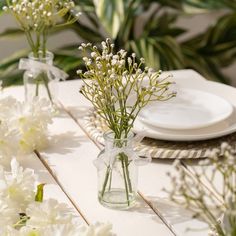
[
  {"x": 176, "y": 4},
  {"x": 195, "y": 6},
  {"x": 11, "y": 33},
  {"x": 86, "y": 33},
  {"x": 2, "y": 4},
  {"x": 13, "y": 59},
  {"x": 13, "y": 78},
  {"x": 39, "y": 193},
  {"x": 159, "y": 52},
  {"x": 111, "y": 14}
]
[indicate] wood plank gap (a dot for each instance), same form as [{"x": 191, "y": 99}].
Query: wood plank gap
[
  {"x": 157, "y": 212},
  {"x": 44, "y": 162},
  {"x": 149, "y": 203}
]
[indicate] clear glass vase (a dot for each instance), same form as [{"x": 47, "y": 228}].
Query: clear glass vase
[
  {"x": 117, "y": 172},
  {"x": 38, "y": 81}
]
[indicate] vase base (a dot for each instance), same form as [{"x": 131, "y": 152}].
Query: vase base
[{"x": 117, "y": 199}]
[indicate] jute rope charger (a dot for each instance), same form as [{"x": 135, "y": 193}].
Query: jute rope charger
[{"x": 159, "y": 149}]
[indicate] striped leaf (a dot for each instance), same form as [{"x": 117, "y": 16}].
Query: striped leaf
[{"x": 111, "y": 15}]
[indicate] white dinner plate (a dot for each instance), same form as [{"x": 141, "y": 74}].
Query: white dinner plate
[
  {"x": 219, "y": 129},
  {"x": 190, "y": 109}
]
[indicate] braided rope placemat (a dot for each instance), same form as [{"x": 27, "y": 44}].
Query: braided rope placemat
[{"x": 148, "y": 147}]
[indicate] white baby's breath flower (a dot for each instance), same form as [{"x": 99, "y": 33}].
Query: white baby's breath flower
[
  {"x": 5, "y": 8},
  {"x": 49, "y": 212},
  {"x": 129, "y": 60},
  {"x": 93, "y": 54}
]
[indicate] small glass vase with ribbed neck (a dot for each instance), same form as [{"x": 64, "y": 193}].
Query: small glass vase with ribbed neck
[
  {"x": 117, "y": 172},
  {"x": 38, "y": 82}
]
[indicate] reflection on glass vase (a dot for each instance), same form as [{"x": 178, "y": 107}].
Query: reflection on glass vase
[
  {"x": 38, "y": 79},
  {"x": 117, "y": 172}
]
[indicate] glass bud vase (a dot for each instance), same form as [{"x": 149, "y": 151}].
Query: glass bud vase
[
  {"x": 117, "y": 172},
  {"x": 39, "y": 82}
]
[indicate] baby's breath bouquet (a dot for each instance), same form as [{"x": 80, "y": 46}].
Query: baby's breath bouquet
[
  {"x": 198, "y": 189},
  {"x": 119, "y": 86},
  {"x": 37, "y": 18}
]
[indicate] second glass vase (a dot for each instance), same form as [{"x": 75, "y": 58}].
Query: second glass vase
[{"x": 39, "y": 82}]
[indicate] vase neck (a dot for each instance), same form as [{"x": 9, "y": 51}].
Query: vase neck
[
  {"x": 47, "y": 58},
  {"x": 112, "y": 142}
]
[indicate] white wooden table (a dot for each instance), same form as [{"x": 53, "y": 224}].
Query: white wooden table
[{"x": 72, "y": 177}]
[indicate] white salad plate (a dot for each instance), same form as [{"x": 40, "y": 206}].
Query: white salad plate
[
  {"x": 190, "y": 109},
  {"x": 223, "y": 126}
]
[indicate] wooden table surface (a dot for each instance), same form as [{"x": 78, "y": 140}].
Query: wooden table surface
[{"x": 67, "y": 168}]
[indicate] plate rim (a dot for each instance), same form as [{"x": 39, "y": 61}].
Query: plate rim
[
  {"x": 216, "y": 89},
  {"x": 197, "y": 126}
]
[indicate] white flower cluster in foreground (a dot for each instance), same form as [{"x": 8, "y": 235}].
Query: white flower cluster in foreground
[
  {"x": 23, "y": 126},
  {"x": 21, "y": 215}
]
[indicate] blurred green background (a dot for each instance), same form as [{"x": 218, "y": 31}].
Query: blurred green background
[{"x": 147, "y": 27}]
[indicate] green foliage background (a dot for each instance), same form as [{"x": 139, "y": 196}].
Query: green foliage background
[{"x": 157, "y": 40}]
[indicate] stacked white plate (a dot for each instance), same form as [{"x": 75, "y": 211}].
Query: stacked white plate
[{"x": 201, "y": 110}]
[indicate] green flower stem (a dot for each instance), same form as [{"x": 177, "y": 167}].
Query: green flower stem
[
  {"x": 21, "y": 222},
  {"x": 44, "y": 48},
  {"x": 106, "y": 180},
  {"x": 110, "y": 179},
  {"x": 125, "y": 180},
  {"x": 37, "y": 89},
  {"x": 31, "y": 43},
  {"x": 125, "y": 162},
  {"x": 45, "y": 80},
  {"x": 42, "y": 77}
]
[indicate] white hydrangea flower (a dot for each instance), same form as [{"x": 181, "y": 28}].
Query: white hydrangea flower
[
  {"x": 9, "y": 215},
  {"x": 7, "y": 107},
  {"x": 49, "y": 212},
  {"x": 32, "y": 140},
  {"x": 24, "y": 126},
  {"x": 28, "y": 231},
  {"x": 68, "y": 229},
  {"x": 37, "y": 113},
  {"x": 17, "y": 186},
  {"x": 8, "y": 231},
  {"x": 47, "y": 218},
  {"x": 61, "y": 229},
  {"x": 28, "y": 121},
  {"x": 8, "y": 143},
  {"x": 32, "y": 120}
]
